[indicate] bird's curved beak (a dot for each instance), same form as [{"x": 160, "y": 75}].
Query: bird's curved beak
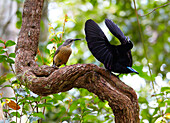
[{"x": 76, "y": 39}]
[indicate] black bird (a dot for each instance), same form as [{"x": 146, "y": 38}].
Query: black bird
[{"x": 115, "y": 58}]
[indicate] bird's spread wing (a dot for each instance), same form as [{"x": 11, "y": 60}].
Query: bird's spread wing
[
  {"x": 115, "y": 30},
  {"x": 98, "y": 43}
]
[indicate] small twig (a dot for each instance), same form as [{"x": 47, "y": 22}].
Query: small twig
[
  {"x": 41, "y": 56},
  {"x": 21, "y": 111},
  {"x": 10, "y": 63},
  {"x": 65, "y": 20},
  {"x": 43, "y": 111},
  {"x": 140, "y": 31},
  {"x": 16, "y": 98},
  {"x": 155, "y": 9},
  {"x": 37, "y": 110},
  {"x": 70, "y": 100},
  {"x": 30, "y": 114},
  {"x": 31, "y": 106}
]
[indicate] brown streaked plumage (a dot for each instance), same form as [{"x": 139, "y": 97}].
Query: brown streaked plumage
[{"x": 63, "y": 53}]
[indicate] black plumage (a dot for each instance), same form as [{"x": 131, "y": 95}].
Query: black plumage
[{"x": 115, "y": 58}]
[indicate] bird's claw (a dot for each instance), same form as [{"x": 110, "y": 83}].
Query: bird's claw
[{"x": 55, "y": 67}]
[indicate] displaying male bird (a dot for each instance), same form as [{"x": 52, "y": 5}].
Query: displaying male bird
[
  {"x": 115, "y": 58},
  {"x": 63, "y": 53}
]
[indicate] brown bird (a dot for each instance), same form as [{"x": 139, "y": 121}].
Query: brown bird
[{"x": 63, "y": 53}]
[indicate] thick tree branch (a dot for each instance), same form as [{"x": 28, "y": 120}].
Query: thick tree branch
[{"x": 122, "y": 98}]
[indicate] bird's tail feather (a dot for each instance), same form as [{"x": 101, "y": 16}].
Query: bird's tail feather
[{"x": 134, "y": 71}]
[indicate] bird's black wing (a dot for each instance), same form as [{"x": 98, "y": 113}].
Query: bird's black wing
[
  {"x": 99, "y": 44},
  {"x": 115, "y": 30}
]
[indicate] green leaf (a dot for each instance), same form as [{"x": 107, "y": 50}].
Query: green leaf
[
  {"x": 88, "y": 118},
  {"x": 101, "y": 104},
  {"x": 2, "y": 50},
  {"x": 17, "y": 114},
  {"x": 76, "y": 117},
  {"x": 82, "y": 103},
  {"x": 65, "y": 118},
  {"x": 42, "y": 25},
  {"x": 12, "y": 98},
  {"x": 11, "y": 61},
  {"x": 30, "y": 98},
  {"x": 19, "y": 14},
  {"x": 167, "y": 110},
  {"x": 73, "y": 106},
  {"x": 96, "y": 100},
  {"x": 161, "y": 104},
  {"x": 11, "y": 122},
  {"x": 2, "y": 80},
  {"x": 10, "y": 75},
  {"x": 12, "y": 55},
  {"x": 107, "y": 117},
  {"x": 163, "y": 89},
  {"x": 94, "y": 2},
  {"x": 8, "y": 86},
  {"x": 94, "y": 107},
  {"x": 9, "y": 43},
  {"x": 142, "y": 100},
  {"x": 5, "y": 110},
  {"x": 47, "y": 98},
  {"x": 59, "y": 96},
  {"x": 1, "y": 41},
  {"x": 86, "y": 112},
  {"x": 45, "y": 105},
  {"x": 59, "y": 44},
  {"x": 167, "y": 101},
  {"x": 16, "y": 82},
  {"x": 18, "y": 24},
  {"x": 83, "y": 92},
  {"x": 2, "y": 58},
  {"x": 160, "y": 94},
  {"x": 38, "y": 99},
  {"x": 40, "y": 114},
  {"x": 145, "y": 113},
  {"x": 167, "y": 92}
]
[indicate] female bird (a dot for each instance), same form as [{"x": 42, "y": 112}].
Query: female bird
[{"x": 63, "y": 53}]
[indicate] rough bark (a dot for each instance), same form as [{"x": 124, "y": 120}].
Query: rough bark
[{"x": 122, "y": 98}]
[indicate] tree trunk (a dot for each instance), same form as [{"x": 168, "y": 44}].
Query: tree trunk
[{"x": 122, "y": 98}]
